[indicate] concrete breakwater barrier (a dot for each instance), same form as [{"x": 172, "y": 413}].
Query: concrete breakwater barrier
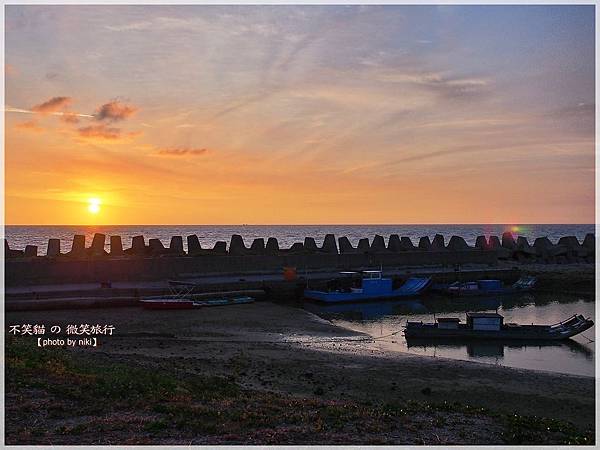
[{"x": 153, "y": 261}]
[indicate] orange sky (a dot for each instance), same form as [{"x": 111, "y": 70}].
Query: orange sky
[{"x": 214, "y": 115}]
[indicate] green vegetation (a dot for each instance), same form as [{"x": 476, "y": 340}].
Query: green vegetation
[{"x": 86, "y": 398}]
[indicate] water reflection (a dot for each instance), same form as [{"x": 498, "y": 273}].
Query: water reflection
[{"x": 575, "y": 355}]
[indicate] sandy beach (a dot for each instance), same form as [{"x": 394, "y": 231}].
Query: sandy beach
[{"x": 281, "y": 350}]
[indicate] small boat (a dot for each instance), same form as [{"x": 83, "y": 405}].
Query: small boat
[
  {"x": 492, "y": 326},
  {"x": 372, "y": 286},
  {"x": 183, "y": 303},
  {"x": 485, "y": 287}
]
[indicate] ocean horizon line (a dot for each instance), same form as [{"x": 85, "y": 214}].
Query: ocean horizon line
[{"x": 295, "y": 225}]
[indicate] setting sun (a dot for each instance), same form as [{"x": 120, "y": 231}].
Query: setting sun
[{"x": 94, "y": 205}]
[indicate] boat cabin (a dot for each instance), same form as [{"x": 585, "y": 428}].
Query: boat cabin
[
  {"x": 484, "y": 321},
  {"x": 374, "y": 283},
  {"x": 448, "y": 323}
]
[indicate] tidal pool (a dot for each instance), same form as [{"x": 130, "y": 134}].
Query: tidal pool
[{"x": 381, "y": 319}]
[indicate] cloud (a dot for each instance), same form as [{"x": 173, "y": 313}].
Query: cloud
[
  {"x": 30, "y": 125},
  {"x": 53, "y": 105},
  {"x": 100, "y": 131},
  {"x": 182, "y": 151},
  {"x": 69, "y": 117},
  {"x": 115, "y": 111}
]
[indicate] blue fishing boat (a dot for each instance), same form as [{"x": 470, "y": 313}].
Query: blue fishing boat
[
  {"x": 372, "y": 286},
  {"x": 485, "y": 287}
]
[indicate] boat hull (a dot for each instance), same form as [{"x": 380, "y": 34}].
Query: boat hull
[
  {"x": 412, "y": 287},
  {"x": 192, "y": 304},
  {"x": 522, "y": 332},
  {"x": 337, "y": 297}
]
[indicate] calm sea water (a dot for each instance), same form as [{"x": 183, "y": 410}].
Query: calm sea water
[
  {"x": 20, "y": 236},
  {"x": 574, "y": 356}
]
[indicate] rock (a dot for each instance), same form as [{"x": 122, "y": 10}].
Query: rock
[
  {"x": 574, "y": 248},
  {"x": 329, "y": 244},
  {"x": 363, "y": 246},
  {"x": 10, "y": 253},
  {"x": 589, "y": 242},
  {"x": 30, "y": 251},
  {"x": 310, "y": 245},
  {"x": 53, "y": 247},
  {"x": 116, "y": 246},
  {"x": 523, "y": 247},
  {"x": 156, "y": 247},
  {"x": 220, "y": 248},
  {"x": 78, "y": 246},
  {"x": 494, "y": 242},
  {"x": 457, "y": 243},
  {"x": 176, "y": 245},
  {"x": 426, "y": 391},
  {"x": 138, "y": 246},
  {"x": 193, "y": 245},
  {"x": 393, "y": 243},
  {"x": 508, "y": 241},
  {"x": 406, "y": 244},
  {"x": 345, "y": 246},
  {"x": 546, "y": 249},
  {"x": 504, "y": 253},
  {"x": 424, "y": 243},
  {"x": 297, "y": 247},
  {"x": 98, "y": 242},
  {"x": 237, "y": 246},
  {"x": 378, "y": 245},
  {"x": 258, "y": 246},
  {"x": 438, "y": 242},
  {"x": 272, "y": 247},
  {"x": 482, "y": 243}
]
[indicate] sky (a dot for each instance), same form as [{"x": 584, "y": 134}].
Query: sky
[{"x": 299, "y": 114}]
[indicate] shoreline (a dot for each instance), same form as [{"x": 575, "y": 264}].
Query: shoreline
[{"x": 246, "y": 346}]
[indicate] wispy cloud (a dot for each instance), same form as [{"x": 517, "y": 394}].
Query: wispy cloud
[
  {"x": 30, "y": 125},
  {"x": 182, "y": 151},
  {"x": 10, "y": 109}
]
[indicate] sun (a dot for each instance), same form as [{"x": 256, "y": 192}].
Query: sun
[{"x": 94, "y": 205}]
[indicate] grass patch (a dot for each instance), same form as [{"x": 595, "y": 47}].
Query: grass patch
[{"x": 165, "y": 403}]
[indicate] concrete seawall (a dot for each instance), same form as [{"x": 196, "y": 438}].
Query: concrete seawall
[
  {"x": 48, "y": 271},
  {"x": 153, "y": 261}
]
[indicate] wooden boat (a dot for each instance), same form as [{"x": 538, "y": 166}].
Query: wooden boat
[
  {"x": 372, "y": 286},
  {"x": 485, "y": 287},
  {"x": 183, "y": 303},
  {"x": 492, "y": 326}
]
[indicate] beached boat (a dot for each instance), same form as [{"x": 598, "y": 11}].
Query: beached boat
[
  {"x": 492, "y": 326},
  {"x": 182, "y": 303},
  {"x": 485, "y": 287},
  {"x": 372, "y": 286}
]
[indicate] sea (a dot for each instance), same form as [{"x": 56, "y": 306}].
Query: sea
[{"x": 19, "y": 236}]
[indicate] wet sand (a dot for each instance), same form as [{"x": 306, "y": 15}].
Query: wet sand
[{"x": 280, "y": 348}]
